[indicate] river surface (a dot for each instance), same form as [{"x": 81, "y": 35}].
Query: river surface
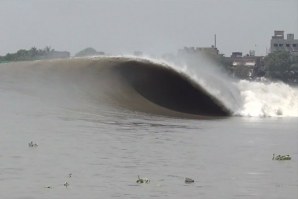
[
  {"x": 106, "y": 147},
  {"x": 105, "y": 152}
]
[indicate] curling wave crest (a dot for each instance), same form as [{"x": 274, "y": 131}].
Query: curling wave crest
[{"x": 148, "y": 85}]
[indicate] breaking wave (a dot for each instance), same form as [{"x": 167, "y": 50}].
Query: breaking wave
[
  {"x": 147, "y": 85},
  {"x": 268, "y": 99}
]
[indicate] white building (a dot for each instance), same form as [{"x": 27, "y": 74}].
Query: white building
[{"x": 278, "y": 42}]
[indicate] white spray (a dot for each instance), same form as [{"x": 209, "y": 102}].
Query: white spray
[
  {"x": 242, "y": 97},
  {"x": 262, "y": 99}
]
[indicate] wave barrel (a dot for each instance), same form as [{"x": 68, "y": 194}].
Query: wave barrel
[{"x": 170, "y": 89}]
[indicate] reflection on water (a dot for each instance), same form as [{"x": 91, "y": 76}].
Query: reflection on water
[{"x": 106, "y": 151}]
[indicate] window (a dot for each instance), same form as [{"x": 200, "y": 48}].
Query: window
[
  {"x": 275, "y": 45},
  {"x": 294, "y": 45},
  {"x": 280, "y": 45},
  {"x": 288, "y": 45}
]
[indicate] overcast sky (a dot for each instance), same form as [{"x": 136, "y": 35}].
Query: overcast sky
[{"x": 151, "y": 26}]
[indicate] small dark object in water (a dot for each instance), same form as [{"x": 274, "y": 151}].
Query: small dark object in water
[
  {"x": 142, "y": 180},
  {"x": 189, "y": 180},
  {"x": 281, "y": 157},
  {"x": 31, "y": 144},
  {"x": 66, "y": 184}
]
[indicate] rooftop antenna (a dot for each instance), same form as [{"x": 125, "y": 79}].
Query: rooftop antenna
[{"x": 215, "y": 40}]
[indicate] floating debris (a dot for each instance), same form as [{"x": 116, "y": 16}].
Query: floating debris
[
  {"x": 69, "y": 175},
  {"x": 66, "y": 184},
  {"x": 189, "y": 180},
  {"x": 142, "y": 180},
  {"x": 281, "y": 157},
  {"x": 32, "y": 144},
  {"x": 49, "y": 187}
]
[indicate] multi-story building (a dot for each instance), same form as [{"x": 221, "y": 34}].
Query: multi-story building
[{"x": 278, "y": 42}]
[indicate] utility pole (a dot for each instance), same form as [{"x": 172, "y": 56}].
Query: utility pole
[{"x": 215, "y": 41}]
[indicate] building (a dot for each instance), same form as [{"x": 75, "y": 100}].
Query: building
[
  {"x": 279, "y": 43},
  {"x": 236, "y": 54},
  {"x": 198, "y": 50},
  {"x": 245, "y": 67}
]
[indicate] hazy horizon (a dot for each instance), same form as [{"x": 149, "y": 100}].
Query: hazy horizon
[{"x": 153, "y": 27}]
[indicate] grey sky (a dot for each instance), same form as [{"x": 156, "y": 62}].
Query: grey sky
[{"x": 152, "y": 26}]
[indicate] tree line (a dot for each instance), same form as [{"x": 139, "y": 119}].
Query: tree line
[
  {"x": 28, "y": 55},
  {"x": 281, "y": 65}
]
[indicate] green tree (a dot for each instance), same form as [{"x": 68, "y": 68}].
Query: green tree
[
  {"x": 279, "y": 61},
  {"x": 25, "y": 55},
  {"x": 32, "y": 53},
  {"x": 294, "y": 65}
]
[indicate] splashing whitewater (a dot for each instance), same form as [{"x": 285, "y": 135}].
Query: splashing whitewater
[{"x": 274, "y": 99}]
